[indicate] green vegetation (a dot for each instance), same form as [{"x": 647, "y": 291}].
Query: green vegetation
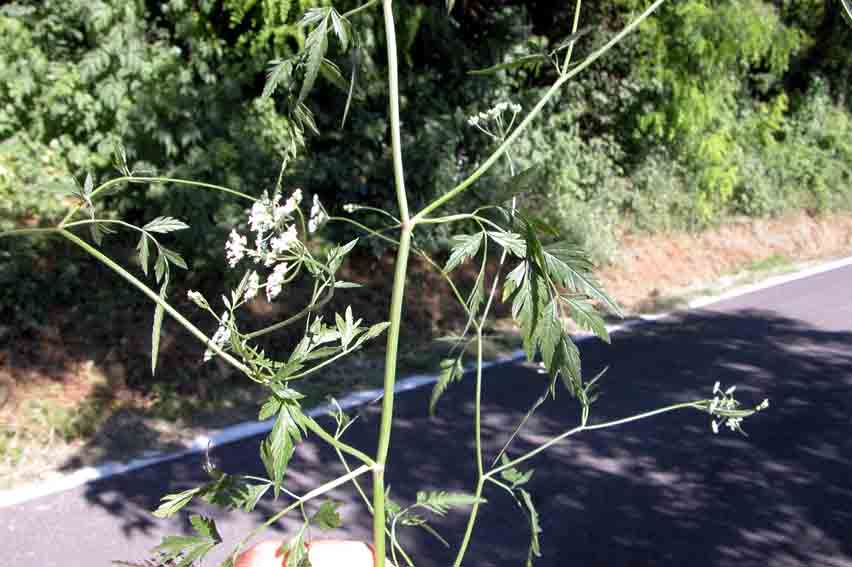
[
  {"x": 742, "y": 111},
  {"x": 544, "y": 278},
  {"x": 731, "y": 107}
]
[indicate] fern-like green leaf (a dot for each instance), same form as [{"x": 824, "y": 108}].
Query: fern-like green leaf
[
  {"x": 535, "y": 527},
  {"x": 280, "y": 71},
  {"x": 441, "y": 502},
  {"x": 159, "y": 311},
  {"x": 184, "y": 551},
  {"x": 316, "y": 46},
  {"x": 464, "y": 246},
  {"x": 165, "y": 225},
  {"x": 143, "y": 253},
  {"x": 587, "y": 317},
  {"x": 171, "y": 504},
  {"x": 327, "y": 517},
  {"x": 451, "y": 371},
  {"x": 572, "y": 269}
]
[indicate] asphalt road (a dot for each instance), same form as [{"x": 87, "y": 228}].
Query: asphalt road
[{"x": 665, "y": 491}]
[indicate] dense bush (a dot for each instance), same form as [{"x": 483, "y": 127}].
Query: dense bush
[{"x": 743, "y": 111}]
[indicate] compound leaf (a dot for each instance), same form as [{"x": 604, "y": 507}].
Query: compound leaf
[
  {"x": 327, "y": 517},
  {"x": 184, "y": 551},
  {"x": 464, "y": 246},
  {"x": 451, "y": 371},
  {"x": 164, "y": 225},
  {"x": 535, "y": 526},
  {"x": 279, "y": 72},
  {"x": 587, "y": 317},
  {"x": 159, "y": 311},
  {"x": 316, "y": 45},
  {"x": 143, "y": 253},
  {"x": 171, "y": 504},
  {"x": 440, "y": 502}
]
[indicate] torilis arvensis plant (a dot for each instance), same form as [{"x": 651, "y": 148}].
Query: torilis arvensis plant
[{"x": 545, "y": 281}]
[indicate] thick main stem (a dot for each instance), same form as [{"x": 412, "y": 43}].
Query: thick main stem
[
  {"x": 388, "y": 399},
  {"x": 398, "y": 291}
]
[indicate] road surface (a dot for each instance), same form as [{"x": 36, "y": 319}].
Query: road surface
[{"x": 665, "y": 491}]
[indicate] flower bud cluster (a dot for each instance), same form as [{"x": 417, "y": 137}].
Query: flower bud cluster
[
  {"x": 318, "y": 216},
  {"x": 221, "y": 337},
  {"x": 725, "y": 409},
  {"x": 494, "y": 114}
]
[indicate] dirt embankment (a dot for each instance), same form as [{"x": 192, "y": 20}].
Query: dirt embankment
[{"x": 652, "y": 266}]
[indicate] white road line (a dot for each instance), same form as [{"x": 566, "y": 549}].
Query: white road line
[{"x": 241, "y": 431}]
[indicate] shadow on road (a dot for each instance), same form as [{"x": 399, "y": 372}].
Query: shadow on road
[{"x": 665, "y": 491}]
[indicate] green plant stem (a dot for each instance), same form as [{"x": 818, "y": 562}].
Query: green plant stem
[
  {"x": 360, "y": 8},
  {"x": 480, "y": 471},
  {"x": 395, "y": 127},
  {"x": 367, "y": 229},
  {"x": 398, "y": 290},
  {"x": 459, "y": 217},
  {"x": 322, "y": 364},
  {"x": 388, "y": 398},
  {"x": 369, "y": 506},
  {"x": 574, "y": 431},
  {"x": 127, "y": 179},
  {"x": 298, "y": 316},
  {"x": 314, "y": 306},
  {"x": 27, "y": 231},
  {"x": 317, "y": 429},
  {"x": 319, "y": 491},
  {"x": 536, "y": 110},
  {"x": 155, "y": 297},
  {"x": 574, "y": 27},
  {"x": 417, "y": 251},
  {"x": 471, "y": 521}
]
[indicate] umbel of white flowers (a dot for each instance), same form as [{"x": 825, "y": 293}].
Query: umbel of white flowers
[
  {"x": 222, "y": 336},
  {"x": 725, "y": 409},
  {"x": 494, "y": 113},
  {"x": 492, "y": 122},
  {"x": 272, "y": 224},
  {"x": 276, "y": 239}
]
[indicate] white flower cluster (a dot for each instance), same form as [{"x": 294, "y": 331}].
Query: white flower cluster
[
  {"x": 494, "y": 114},
  {"x": 276, "y": 281},
  {"x": 197, "y": 299},
  {"x": 726, "y": 409},
  {"x": 271, "y": 219},
  {"x": 318, "y": 216},
  {"x": 222, "y": 336}
]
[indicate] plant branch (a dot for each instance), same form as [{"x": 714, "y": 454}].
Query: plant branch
[
  {"x": 360, "y": 8},
  {"x": 27, "y": 231},
  {"x": 574, "y": 27},
  {"x": 574, "y": 431},
  {"x": 319, "y": 491},
  {"x": 536, "y": 110},
  {"x": 317, "y": 429},
  {"x": 141, "y": 180},
  {"x": 155, "y": 297}
]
